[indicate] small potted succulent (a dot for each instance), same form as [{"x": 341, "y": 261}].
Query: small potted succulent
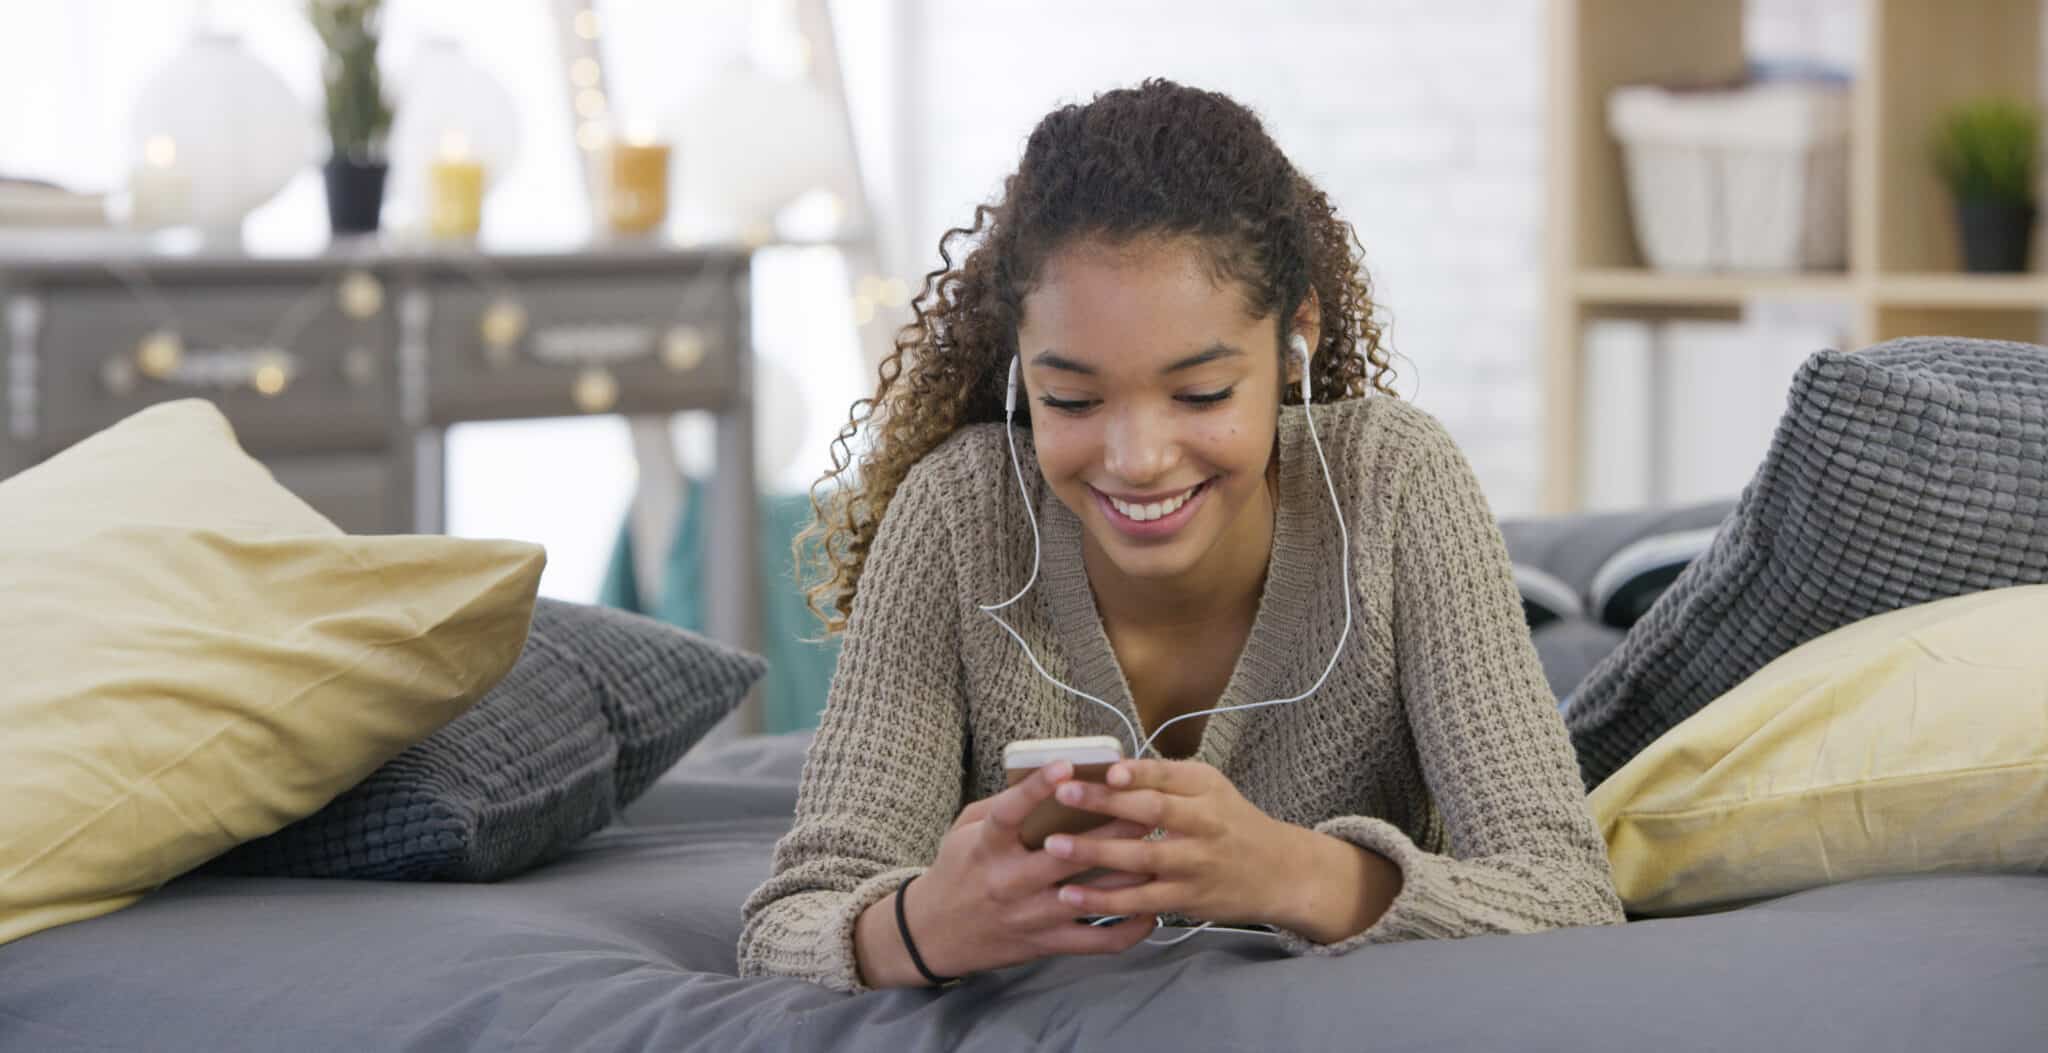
[
  {"x": 358, "y": 113},
  {"x": 1987, "y": 153}
]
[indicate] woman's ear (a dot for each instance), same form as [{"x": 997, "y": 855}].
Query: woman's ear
[{"x": 1308, "y": 323}]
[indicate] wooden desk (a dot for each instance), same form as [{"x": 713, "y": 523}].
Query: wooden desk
[{"x": 341, "y": 370}]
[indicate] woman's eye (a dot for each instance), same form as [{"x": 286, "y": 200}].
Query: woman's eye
[
  {"x": 1210, "y": 398},
  {"x": 1067, "y": 405}
]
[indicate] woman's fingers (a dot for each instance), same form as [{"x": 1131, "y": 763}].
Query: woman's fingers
[
  {"x": 1150, "y": 897},
  {"x": 974, "y": 812},
  {"x": 1151, "y": 807},
  {"x": 1008, "y": 809},
  {"x": 1041, "y": 868},
  {"x": 1121, "y": 828},
  {"x": 1072, "y": 937},
  {"x": 1130, "y": 855}
]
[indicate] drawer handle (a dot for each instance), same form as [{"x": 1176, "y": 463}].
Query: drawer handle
[
  {"x": 118, "y": 374},
  {"x": 359, "y": 366},
  {"x": 162, "y": 357},
  {"x": 682, "y": 348}
]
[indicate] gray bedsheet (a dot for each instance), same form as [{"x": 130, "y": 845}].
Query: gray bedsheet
[{"x": 628, "y": 944}]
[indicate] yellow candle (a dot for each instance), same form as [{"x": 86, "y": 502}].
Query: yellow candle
[
  {"x": 637, "y": 198},
  {"x": 455, "y": 192}
]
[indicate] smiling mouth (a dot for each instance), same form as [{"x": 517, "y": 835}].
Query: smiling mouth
[{"x": 1145, "y": 513}]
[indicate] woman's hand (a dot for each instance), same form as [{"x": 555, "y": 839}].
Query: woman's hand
[
  {"x": 987, "y": 901},
  {"x": 1222, "y": 859}
]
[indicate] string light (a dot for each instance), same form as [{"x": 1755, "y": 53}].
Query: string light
[
  {"x": 271, "y": 375},
  {"x": 501, "y": 325},
  {"x": 595, "y": 390},
  {"x": 361, "y": 295},
  {"x": 159, "y": 353},
  {"x": 587, "y": 76},
  {"x": 682, "y": 349}
]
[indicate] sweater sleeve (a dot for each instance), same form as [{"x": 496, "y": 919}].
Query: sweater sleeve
[
  {"x": 882, "y": 779},
  {"x": 1524, "y": 853}
]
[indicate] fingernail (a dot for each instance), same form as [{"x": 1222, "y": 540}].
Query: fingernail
[
  {"x": 1070, "y": 896},
  {"x": 1059, "y": 844},
  {"x": 1119, "y": 776},
  {"x": 1061, "y": 770},
  {"x": 1070, "y": 793}
]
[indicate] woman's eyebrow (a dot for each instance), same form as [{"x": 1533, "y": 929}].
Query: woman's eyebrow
[
  {"x": 1055, "y": 360},
  {"x": 1215, "y": 351}
]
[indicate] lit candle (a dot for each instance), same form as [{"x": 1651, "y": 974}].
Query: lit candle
[
  {"x": 637, "y": 191},
  {"x": 455, "y": 190},
  {"x": 159, "y": 193}
]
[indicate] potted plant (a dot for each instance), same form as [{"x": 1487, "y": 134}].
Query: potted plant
[
  {"x": 358, "y": 114},
  {"x": 1986, "y": 151}
]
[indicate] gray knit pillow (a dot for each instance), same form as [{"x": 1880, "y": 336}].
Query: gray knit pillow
[
  {"x": 598, "y": 705},
  {"x": 1907, "y": 473},
  {"x": 661, "y": 688}
]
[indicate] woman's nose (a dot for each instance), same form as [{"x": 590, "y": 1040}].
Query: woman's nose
[{"x": 1139, "y": 448}]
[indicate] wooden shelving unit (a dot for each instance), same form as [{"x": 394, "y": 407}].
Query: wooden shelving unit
[{"x": 1903, "y": 277}]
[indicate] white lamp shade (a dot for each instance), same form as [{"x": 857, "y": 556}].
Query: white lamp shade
[
  {"x": 239, "y": 133},
  {"x": 446, "y": 98},
  {"x": 749, "y": 144}
]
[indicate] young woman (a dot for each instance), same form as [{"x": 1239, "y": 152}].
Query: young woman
[{"x": 1149, "y": 267}]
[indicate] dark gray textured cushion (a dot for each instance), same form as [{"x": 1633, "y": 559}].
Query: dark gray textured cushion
[
  {"x": 1907, "y": 473},
  {"x": 661, "y": 688},
  {"x": 599, "y": 704}
]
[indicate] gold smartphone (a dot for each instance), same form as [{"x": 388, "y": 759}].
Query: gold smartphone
[{"x": 1091, "y": 757}]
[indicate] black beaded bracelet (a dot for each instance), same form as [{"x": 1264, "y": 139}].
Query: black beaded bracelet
[{"x": 903, "y": 926}]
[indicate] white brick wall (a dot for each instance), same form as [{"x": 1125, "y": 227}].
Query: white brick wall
[{"x": 1422, "y": 118}]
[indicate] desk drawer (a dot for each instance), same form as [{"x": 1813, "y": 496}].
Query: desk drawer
[
  {"x": 617, "y": 342},
  {"x": 279, "y": 358}
]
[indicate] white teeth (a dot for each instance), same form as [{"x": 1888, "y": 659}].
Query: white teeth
[{"x": 1149, "y": 512}]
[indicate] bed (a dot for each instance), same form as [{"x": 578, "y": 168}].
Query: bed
[{"x": 628, "y": 944}]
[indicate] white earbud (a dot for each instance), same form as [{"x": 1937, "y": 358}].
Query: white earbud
[
  {"x": 1010, "y": 396},
  {"x": 1299, "y": 345}
]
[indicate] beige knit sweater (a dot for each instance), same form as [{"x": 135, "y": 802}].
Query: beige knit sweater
[{"x": 1435, "y": 742}]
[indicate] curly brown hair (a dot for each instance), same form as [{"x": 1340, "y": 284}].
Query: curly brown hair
[{"x": 1160, "y": 159}]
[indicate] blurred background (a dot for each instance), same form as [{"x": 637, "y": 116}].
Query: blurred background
[{"x": 621, "y": 259}]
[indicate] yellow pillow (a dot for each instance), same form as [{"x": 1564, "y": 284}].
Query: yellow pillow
[
  {"x": 1910, "y": 742},
  {"x": 194, "y": 657}
]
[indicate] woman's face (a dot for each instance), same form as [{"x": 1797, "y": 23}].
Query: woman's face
[{"x": 1154, "y": 399}]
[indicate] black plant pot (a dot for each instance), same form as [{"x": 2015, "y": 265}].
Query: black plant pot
[
  {"x": 1996, "y": 235},
  {"x": 355, "y": 194}
]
